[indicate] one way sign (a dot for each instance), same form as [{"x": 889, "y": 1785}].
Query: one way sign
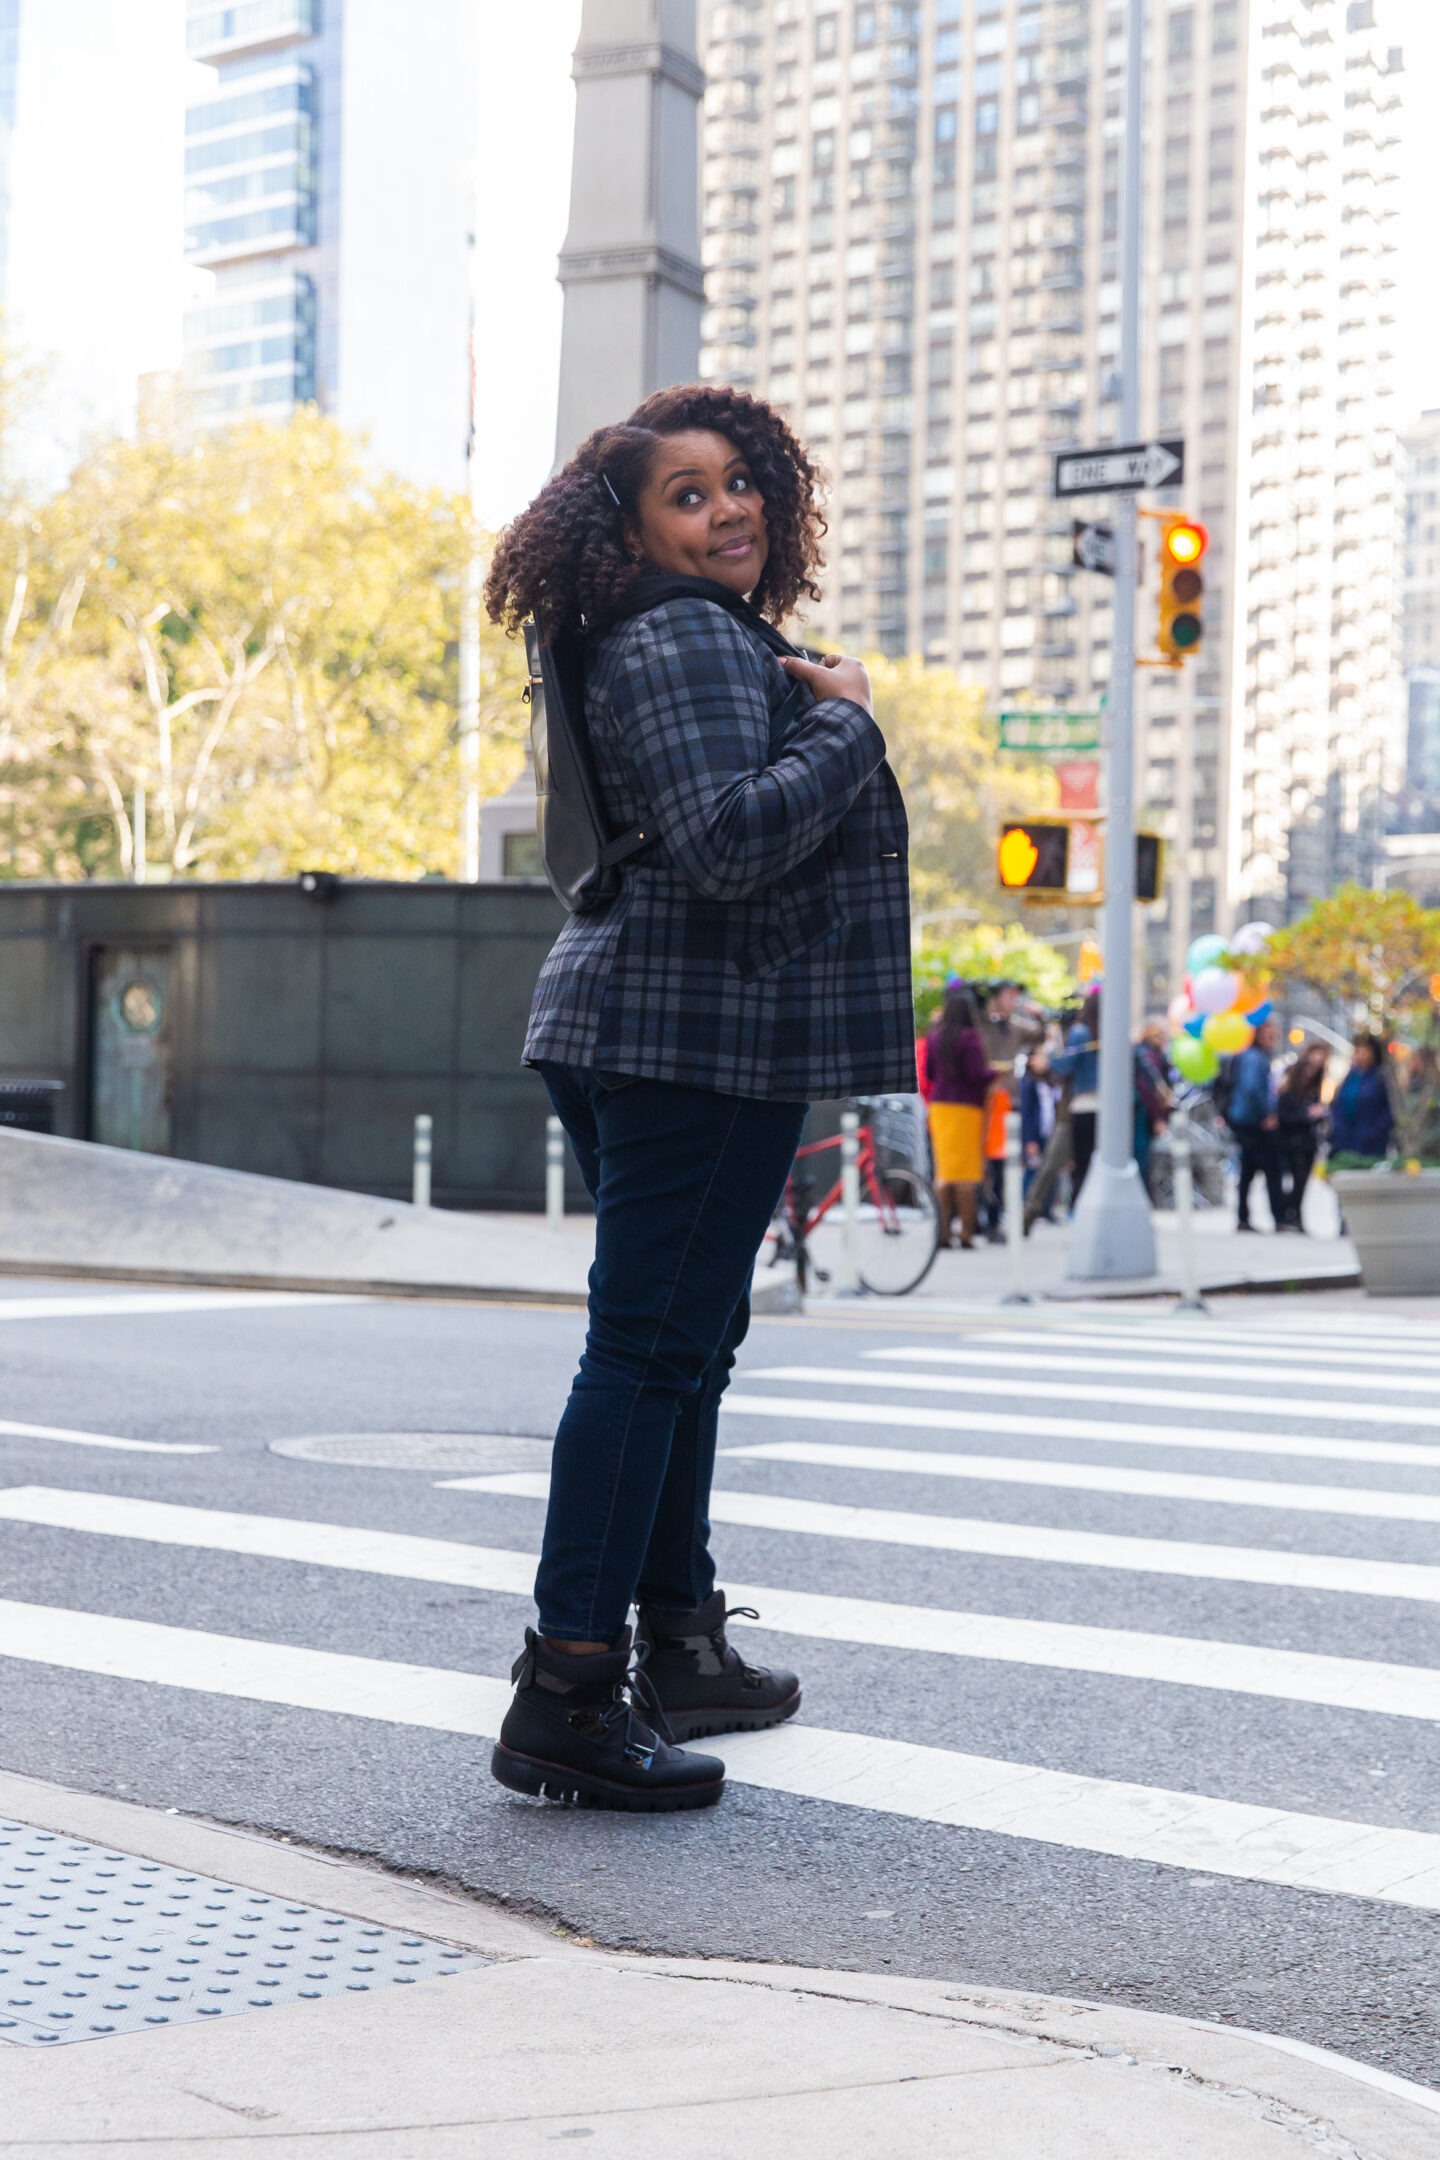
[
  {"x": 1121, "y": 471},
  {"x": 1093, "y": 547}
]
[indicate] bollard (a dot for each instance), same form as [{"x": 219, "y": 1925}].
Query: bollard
[
  {"x": 849, "y": 1284},
  {"x": 1017, "y": 1294},
  {"x": 1182, "y": 1177},
  {"x": 420, "y": 1175},
  {"x": 554, "y": 1173}
]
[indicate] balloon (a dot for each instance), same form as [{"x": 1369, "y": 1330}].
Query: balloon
[
  {"x": 1260, "y": 1013},
  {"x": 1215, "y": 990},
  {"x": 1205, "y": 952},
  {"x": 1178, "y": 1011},
  {"x": 1194, "y": 1026},
  {"x": 1194, "y": 1060},
  {"x": 1252, "y": 938},
  {"x": 1228, "y": 1032}
]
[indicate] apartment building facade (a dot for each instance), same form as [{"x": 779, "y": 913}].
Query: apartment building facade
[
  {"x": 329, "y": 212},
  {"x": 911, "y": 243}
]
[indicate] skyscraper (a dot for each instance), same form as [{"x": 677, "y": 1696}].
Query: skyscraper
[
  {"x": 329, "y": 197},
  {"x": 910, "y": 219}
]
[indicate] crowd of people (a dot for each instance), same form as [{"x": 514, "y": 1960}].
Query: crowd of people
[{"x": 990, "y": 1050}]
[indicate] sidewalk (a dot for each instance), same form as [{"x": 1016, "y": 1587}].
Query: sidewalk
[{"x": 540, "y": 2039}]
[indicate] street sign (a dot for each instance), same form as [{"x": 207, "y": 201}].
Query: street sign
[
  {"x": 1093, "y": 547},
  {"x": 1048, "y": 732},
  {"x": 1121, "y": 471}
]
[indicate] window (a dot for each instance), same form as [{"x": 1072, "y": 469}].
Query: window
[
  {"x": 827, "y": 36},
  {"x": 1182, "y": 28}
]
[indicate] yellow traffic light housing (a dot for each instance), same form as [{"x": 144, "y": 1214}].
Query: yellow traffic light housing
[{"x": 1180, "y": 628}]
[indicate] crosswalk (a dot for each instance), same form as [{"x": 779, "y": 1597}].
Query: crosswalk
[{"x": 1350, "y": 1547}]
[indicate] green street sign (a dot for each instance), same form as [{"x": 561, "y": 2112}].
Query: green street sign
[{"x": 1048, "y": 732}]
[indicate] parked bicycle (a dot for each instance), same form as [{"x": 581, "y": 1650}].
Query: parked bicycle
[{"x": 898, "y": 1227}]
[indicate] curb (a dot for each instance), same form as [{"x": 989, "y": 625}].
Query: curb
[{"x": 1247, "y": 2085}]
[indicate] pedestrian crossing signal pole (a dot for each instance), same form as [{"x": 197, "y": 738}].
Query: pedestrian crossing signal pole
[{"x": 1112, "y": 1235}]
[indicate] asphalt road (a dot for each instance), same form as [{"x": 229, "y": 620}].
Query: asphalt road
[{"x": 774, "y": 1873}]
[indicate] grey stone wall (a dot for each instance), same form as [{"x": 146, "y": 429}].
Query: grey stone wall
[{"x": 301, "y": 1037}]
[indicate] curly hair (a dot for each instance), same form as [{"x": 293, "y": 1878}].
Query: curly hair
[{"x": 564, "y": 561}]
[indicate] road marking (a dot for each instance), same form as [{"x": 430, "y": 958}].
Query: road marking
[
  {"x": 1083, "y": 1477},
  {"x": 1157, "y": 1343},
  {"x": 1026, "y": 1541},
  {"x": 1120, "y": 1653},
  {"x": 1017, "y": 1382},
  {"x": 894, "y": 1777},
  {"x": 1085, "y": 1361},
  {"x": 11, "y": 1431},
  {"x": 132, "y": 1305},
  {"x": 1129, "y": 1433}
]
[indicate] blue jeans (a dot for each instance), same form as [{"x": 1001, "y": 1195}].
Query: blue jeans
[{"x": 684, "y": 1183}]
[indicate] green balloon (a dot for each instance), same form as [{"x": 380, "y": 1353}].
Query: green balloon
[{"x": 1195, "y": 1060}]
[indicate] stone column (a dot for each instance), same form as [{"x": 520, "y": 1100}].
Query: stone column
[{"x": 630, "y": 265}]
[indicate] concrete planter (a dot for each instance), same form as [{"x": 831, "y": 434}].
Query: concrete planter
[{"x": 1394, "y": 1220}]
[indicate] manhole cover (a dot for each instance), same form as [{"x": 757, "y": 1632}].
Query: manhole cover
[
  {"x": 94, "y": 1942},
  {"x": 419, "y": 1450}
]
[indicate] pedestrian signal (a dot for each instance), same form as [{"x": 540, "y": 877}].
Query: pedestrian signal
[
  {"x": 1035, "y": 856},
  {"x": 1181, "y": 628},
  {"x": 1149, "y": 866}
]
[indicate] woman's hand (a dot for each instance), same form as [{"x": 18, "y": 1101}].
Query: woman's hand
[{"x": 837, "y": 675}]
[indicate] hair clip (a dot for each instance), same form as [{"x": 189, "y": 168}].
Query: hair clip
[{"x": 609, "y": 486}]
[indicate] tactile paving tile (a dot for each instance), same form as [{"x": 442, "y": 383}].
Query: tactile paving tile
[{"x": 95, "y": 1942}]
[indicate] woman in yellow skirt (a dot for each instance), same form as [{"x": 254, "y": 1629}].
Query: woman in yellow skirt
[{"x": 956, "y": 1081}]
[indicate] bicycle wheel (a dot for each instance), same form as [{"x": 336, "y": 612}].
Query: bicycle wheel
[{"x": 899, "y": 1232}]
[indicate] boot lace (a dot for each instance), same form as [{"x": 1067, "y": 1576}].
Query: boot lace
[
  {"x": 633, "y": 1702},
  {"x": 725, "y": 1650}
]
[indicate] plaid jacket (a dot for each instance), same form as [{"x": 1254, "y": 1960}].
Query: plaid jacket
[{"x": 762, "y": 946}]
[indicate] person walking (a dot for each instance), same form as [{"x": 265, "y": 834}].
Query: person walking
[
  {"x": 1252, "y": 1113},
  {"x": 957, "y": 1078},
  {"x": 1361, "y": 1120},
  {"x": 1038, "y": 1098},
  {"x": 756, "y": 955},
  {"x": 1153, "y": 1097},
  {"x": 1006, "y": 1031},
  {"x": 1079, "y": 1063},
  {"x": 1302, "y": 1121}
]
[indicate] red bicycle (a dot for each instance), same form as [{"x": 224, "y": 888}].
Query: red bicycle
[{"x": 897, "y": 1234}]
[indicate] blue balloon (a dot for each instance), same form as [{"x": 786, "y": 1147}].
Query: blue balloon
[
  {"x": 1194, "y": 1027},
  {"x": 1206, "y": 952},
  {"x": 1261, "y": 1012}
]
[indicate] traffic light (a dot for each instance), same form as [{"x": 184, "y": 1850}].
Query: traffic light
[
  {"x": 1181, "y": 628},
  {"x": 1149, "y": 866},
  {"x": 1035, "y": 856}
]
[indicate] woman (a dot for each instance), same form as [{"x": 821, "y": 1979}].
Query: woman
[
  {"x": 1360, "y": 1116},
  {"x": 757, "y": 954},
  {"x": 957, "y": 1079},
  {"x": 1080, "y": 1064},
  {"x": 1302, "y": 1127}
]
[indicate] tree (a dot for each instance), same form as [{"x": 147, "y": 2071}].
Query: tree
[
  {"x": 990, "y": 953},
  {"x": 1378, "y": 955},
  {"x": 958, "y": 786},
  {"x": 261, "y": 632}
]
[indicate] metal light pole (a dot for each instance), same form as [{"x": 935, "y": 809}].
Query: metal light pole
[{"x": 1112, "y": 1234}]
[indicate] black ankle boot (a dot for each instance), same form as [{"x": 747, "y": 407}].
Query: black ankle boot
[
  {"x": 579, "y": 1730},
  {"x": 704, "y": 1686}
]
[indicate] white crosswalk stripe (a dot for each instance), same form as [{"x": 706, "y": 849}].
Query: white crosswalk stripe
[
  {"x": 70, "y": 1438},
  {"x": 1010, "y": 1799},
  {"x": 1128, "y": 1432},
  {"x": 1158, "y": 1343},
  {"x": 1026, "y": 1541},
  {"x": 1065, "y": 1476},
  {"x": 1149, "y": 1398},
  {"x": 1233, "y": 1668},
  {"x": 1175, "y": 1368}
]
